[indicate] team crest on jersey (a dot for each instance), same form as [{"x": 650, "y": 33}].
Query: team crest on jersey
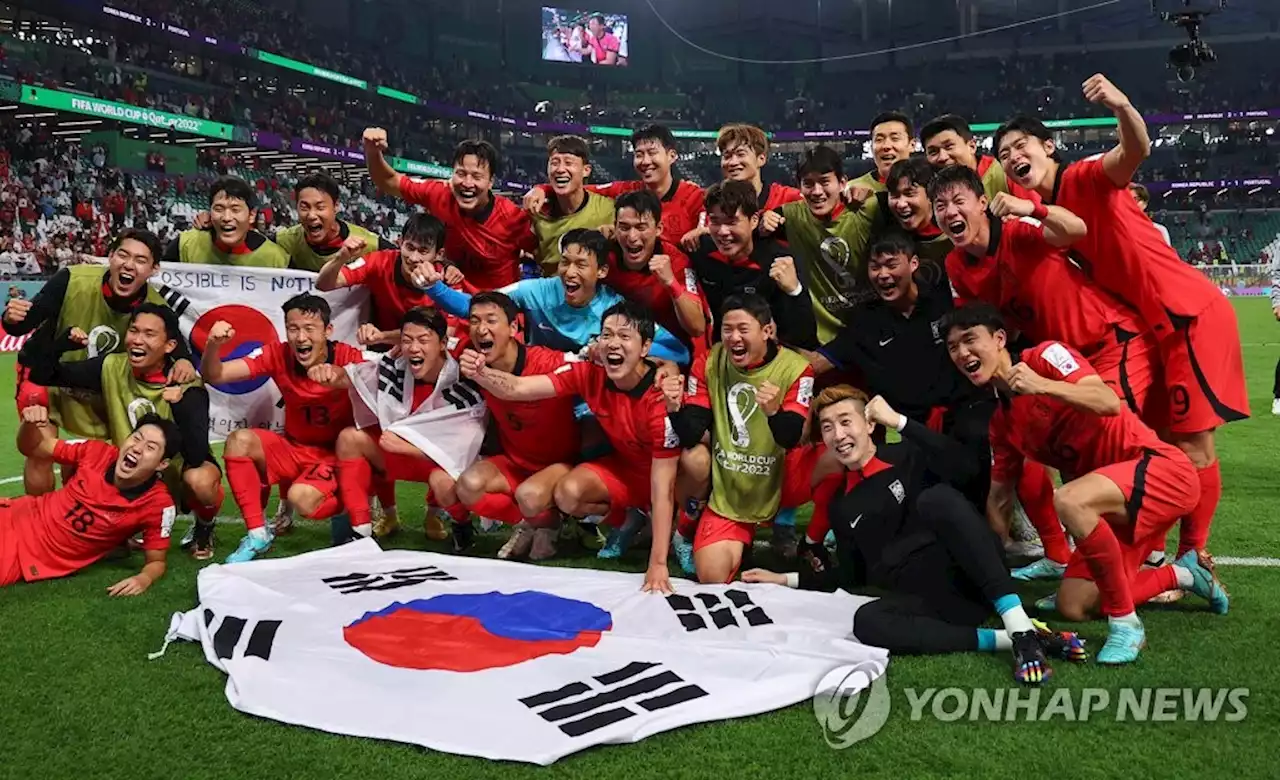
[
  {"x": 936, "y": 328},
  {"x": 139, "y": 408},
  {"x": 1060, "y": 358},
  {"x": 804, "y": 393},
  {"x": 897, "y": 490},
  {"x": 166, "y": 521},
  {"x": 103, "y": 340},
  {"x": 670, "y": 440}
]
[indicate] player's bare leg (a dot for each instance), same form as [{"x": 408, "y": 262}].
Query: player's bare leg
[
  {"x": 718, "y": 561},
  {"x": 37, "y": 473},
  {"x": 444, "y": 497},
  {"x": 534, "y": 505},
  {"x": 693, "y": 484},
  {"x": 581, "y": 493},
  {"x": 1193, "y": 531},
  {"x": 359, "y": 459},
  {"x": 484, "y": 489},
  {"x": 204, "y": 494},
  {"x": 1081, "y": 505}
]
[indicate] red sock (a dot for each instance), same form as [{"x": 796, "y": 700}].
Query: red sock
[
  {"x": 499, "y": 506},
  {"x": 686, "y": 526},
  {"x": 1035, "y": 491},
  {"x": 330, "y": 506},
  {"x": 206, "y": 513},
  {"x": 457, "y": 513},
  {"x": 1102, "y": 553},
  {"x": 247, "y": 487},
  {"x": 1193, "y": 533},
  {"x": 1149, "y": 583},
  {"x": 355, "y": 477},
  {"x": 386, "y": 491}
]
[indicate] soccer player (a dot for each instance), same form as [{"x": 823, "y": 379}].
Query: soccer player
[
  {"x": 134, "y": 383},
  {"x": 314, "y": 415},
  {"x": 98, "y": 304},
  {"x": 910, "y": 209},
  {"x": 229, "y": 237},
  {"x": 115, "y": 493},
  {"x": 1193, "y": 323},
  {"x": 563, "y": 312},
  {"x": 390, "y": 275},
  {"x": 898, "y": 530},
  {"x": 752, "y": 397},
  {"x": 1056, "y": 410},
  {"x": 419, "y": 422},
  {"x": 486, "y": 233},
  {"x": 1013, "y": 256},
  {"x": 947, "y": 140},
  {"x": 654, "y": 152},
  {"x": 571, "y": 205},
  {"x": 654, "y": 273},
  {"x": 827, "y": 240},
  {"x": 732, "y": 260},
  {"x": 319, "y": 234},
  {"x": 641, "y": 472},
  {"x": 890, "y": 142},
  {"x": 1143, "y": 196},
  {"x": 538, "y": 440}
]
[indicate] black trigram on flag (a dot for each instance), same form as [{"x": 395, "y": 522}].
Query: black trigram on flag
[
  {"x": 360, "y": 582},
  {"x": 580, "y": 708},
  {"x": 390, "y": 378},
  {"x": 734, "y": 608},
  {"x": 176, "y": 300},
  {"x": 227, "y": 636}
]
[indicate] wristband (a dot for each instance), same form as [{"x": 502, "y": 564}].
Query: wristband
[
  {"x": 1040, "y": 212},
  {"x": 902, "y": 423},
  {"x": 793, "y": 579},
  {"x": 677, "y": 290}
]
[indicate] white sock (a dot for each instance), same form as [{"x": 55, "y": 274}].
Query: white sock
[
  {"x": 1130, "y": 619},
  {"x": 1016, "y": 621},
  {"x": 1156, "y": 557},
  {"x": 1003, "y": 641},
  {"x": 260, "y": 533},
  {"x": 1185, "y": 580},
  {"x": 365, "y": 529}
]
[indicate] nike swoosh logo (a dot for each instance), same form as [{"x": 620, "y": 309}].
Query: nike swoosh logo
[
  {"x": 886, "y": 341},
  {"x": 544, "y": 326},
  {"x": 855, "y": 522}
]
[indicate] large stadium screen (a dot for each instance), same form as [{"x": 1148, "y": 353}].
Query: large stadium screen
[{"x": 589, "y": 37}]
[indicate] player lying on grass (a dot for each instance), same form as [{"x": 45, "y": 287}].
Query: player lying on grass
[
  {"x": 98, "y": 303},
  {"x": 538, "y": 441},
  {"x": 1122, "y": 488},
  {"x": 133, "y": 383},
  {"x": 641, "y": 472},
  {"x": 314, "y": 415},
  {"x": 751, "y": 396},
  {"x": 418, "y": 422},
  {"x": 899, "y": 530},
  {"x": 115, "y": 493}
]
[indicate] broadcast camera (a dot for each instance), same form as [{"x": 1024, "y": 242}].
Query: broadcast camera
[{"x": 1186, "y": 57}]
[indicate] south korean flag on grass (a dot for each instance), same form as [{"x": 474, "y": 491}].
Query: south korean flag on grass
[
  {"x": 505, "y": 660},
  {"x": 448, "y": 427}
]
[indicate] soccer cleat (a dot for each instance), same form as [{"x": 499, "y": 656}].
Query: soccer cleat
[
  {"x": 1204, "y": 580},
  {"x": 784, "y": 542},
  {"x": 1063, "y": 645},
  {"x": 683, "y": 548},
  {"x": 385, "y": 525},
  {"x": 282, "y": 523},
  {"x": 620, "y": 538},
  {"x": 544, "y": 544},
  {"x": 1275, "y": 406},
  {"x": 250, "y": 547},
  {"x": 1043, "y": 569},
  {"x": 434, "y": 525},
  {"x": 1047, "y": 603},
  {"x": 1023, "y": 549},
  {"x": 829, "y": 541},
  {"x": 518, "y": 545},
  {"x": 1125, "y": 640},
  {"x": 464, "y": 535},
  {"x": 1030, "y": 667},
  {"x": 202, "y": 540},
  {"x": 489, "y": 526}
]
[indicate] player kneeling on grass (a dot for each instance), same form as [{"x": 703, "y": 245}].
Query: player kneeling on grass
[
  {"x": 115, "y": 494},
  {"x": 314, "y": 415},
  {"x": 641, "y": 472},
  {"x": 898, "y": 530},
  {"x": 538, "y": 440},
  {"x": 419, "y": 422},
  {"x": 133, "y": 383},
  {"x": 752, "y": 396},
  {"x": 1123, "y": 488}
]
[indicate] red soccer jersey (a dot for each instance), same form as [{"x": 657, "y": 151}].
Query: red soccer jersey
[
  {"x": 645, "y": 289},
  {"x": 1038, "y": 288},
  {"x": 797, "y": 399},
  {"x": 635, "y": 421},
  {"x": 392, "y": 294},
  {"x": 777, "y": 194},
  {"x": 1125, "y": 253},
  {"x": 486, "y": 245},
  {"x": 536, "y": 434},
  {"x": 1057, "y": 434},
  {"x": 681, "y": 205},
  {"x": 313, "y": 414},
  {"x": 64, "y": 531}
]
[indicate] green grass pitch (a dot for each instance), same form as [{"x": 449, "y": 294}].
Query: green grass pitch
[{"x": 78, "y": 697}]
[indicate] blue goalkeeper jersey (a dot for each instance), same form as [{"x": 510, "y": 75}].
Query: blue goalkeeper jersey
[{"x": 551, "y": 322}]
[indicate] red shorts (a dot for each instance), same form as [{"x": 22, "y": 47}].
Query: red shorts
[
  {"x": 299, "y": 464},
  {"x": 713, "y": 527},
  {"x": 1125, "y": 364},
  {"x": 406, "y": 468},
  {"x": 10, "y": 566},
  {"x": 28, "y": 393},
  {"x": 1203, "y": 373},
  {"x": 797, "y": 474},
  {"x": 512, "y": 471},
  {"x": 628, "y": 486}
]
